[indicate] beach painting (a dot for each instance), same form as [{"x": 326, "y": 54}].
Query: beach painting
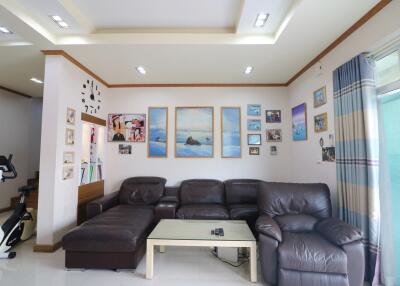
[
  {"x": 231, "y": 133},
  {"x": 194, "y": 132},
  {"x": 254, "y": 109},
  {"x": 299, "y": 122},
  {"x": 158, "y": 132}
]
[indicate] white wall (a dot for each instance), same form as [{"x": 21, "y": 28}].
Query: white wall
[
  {"x": 18, "y": 116},
  {"x": 265, "y": 166},
  {"x": 306, "y": 155}
]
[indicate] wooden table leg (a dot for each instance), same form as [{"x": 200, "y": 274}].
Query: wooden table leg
[
  {"x": 253, "y": 262},
  {"x": 149, "y": 260}
]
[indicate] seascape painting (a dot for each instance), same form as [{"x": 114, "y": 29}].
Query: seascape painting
[
  {"x": 231, "y": 133},
  {"x": 299, "y": 122},
  {"x": 158, "y": 132},
  {"x": 194, "y": 132},
  {"x": 253, "y": 109}
]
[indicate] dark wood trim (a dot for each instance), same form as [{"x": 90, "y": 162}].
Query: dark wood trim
[
  {"x": 378, "y": 7},
  {"x": 89, "y": 192},
  {"x": 75, "y": 62},
  {"x": 92, "y": 119},
  {"x": 14, "y": 91},
  {"x": 197, "y": 85},
  {"x": 47, "y": 248}
]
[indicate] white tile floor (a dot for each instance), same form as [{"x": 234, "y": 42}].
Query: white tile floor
[{"x": 178, "y": 266}]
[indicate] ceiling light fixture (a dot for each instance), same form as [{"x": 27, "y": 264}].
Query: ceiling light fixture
[
  {"x": 141, "y": 70},
  {"x": 36, "y": 80},
  {"x": 248, "y": 70},
  {"x": 4, "y": 30},
  {"x": 261, "y": 20},
  {"x": 59, "y": 21}
]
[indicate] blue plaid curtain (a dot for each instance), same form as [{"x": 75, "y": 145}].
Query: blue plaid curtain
[{"x": 357, "y": 154}]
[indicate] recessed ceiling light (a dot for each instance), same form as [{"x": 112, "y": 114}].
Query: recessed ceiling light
[
  {"x": 4, "y": 30},
  {"x": 261, "y": 20},
  {"x": 59, "y": 21},
  {"x": 36, "y": 80},
  {"x": 248, "y": 70},
  {"x": 141, "y": 70}
]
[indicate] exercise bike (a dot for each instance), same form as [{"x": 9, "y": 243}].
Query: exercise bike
[{"x": 13, "y": 230}]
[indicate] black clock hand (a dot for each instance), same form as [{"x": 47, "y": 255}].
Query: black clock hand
[{"x": 91, "y": 91}]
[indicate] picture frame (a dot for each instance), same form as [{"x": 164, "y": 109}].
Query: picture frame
[
  {"x": 274, "y": 135},
  {"x": 231, "y": 135},
  {"x": 299, "y": 122},
  {"x": 128, "y": 127},
  {"x": 321, "y": 122},
  {"x": 194, "y": 132},
  {"x": 70, "y": 116},
  {"x": 254, "y": 150},
  {"x": 273, "y": 116},
  {"x": 328, "y": 154},
  {"x": 68, "y": 158},
  {"x": 319, "y": 97},
  {"x": 253, "y": 109},
  {"x": 253, "y": 124},
  {"x": 67, "y": 172},
  {"x": 273, "y": 150},
  {"x": 69, "y": 136},
  {"x": 124, "y": 149},
  {"x": 253, "y": 139},
  {"x": 157, "y": 144}
]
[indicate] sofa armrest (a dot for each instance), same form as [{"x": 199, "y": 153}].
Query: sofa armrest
[
  {"x": 169, "y": 199},
  {"x": 268, "y": 226},
  {"x": 338, "y": 232},
  {"x": 102, "y": 204}
]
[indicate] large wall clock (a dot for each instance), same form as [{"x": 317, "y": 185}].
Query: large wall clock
[{"x": 91, "y": 97}]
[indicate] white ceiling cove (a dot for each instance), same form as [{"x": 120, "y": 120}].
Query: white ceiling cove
[{"x": 177, "y": 41}]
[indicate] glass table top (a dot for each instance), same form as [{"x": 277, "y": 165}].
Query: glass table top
[{"x": 180, "y": 229}]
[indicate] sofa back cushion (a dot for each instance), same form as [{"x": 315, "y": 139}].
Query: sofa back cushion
[
  {"x": 277, "y": 199},
  {"x": 201, "y": 192},
  {"x": 296, "y": 223},
  {"x": 241, "y": 191},
  {"x": 142, "y": 190}
]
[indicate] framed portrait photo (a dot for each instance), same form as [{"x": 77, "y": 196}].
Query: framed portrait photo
[
  {"x": 69, "y": 136},
  {"x": 321, "y": 122},
  {"x": 273, "y": 116},
  {"x": 70, "y": 118},
  {"x": 254, "y": 139},
  {"x": 274, "y": 135},
  {"x": 126, "y": 128},
  {"x": 319, "y": 97}
]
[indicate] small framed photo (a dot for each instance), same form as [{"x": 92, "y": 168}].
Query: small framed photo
[
  {"x": 321, "y": 122},
  {"x": 273, "y": 150},
  {"x": 319, "y": 97},
  {"x": 273, "y": 116},
  {"x": 125, "y": 149},
  {"x": 254, "y": 139},
  {"x": 68, "y": 158},
  {"x": 328, "y": 154},
  {"x": 253, "y": 124},
  {"x": 254, "y": 150},
  {"x": 69, "y": 136},
  {"x": 70, "y": 119},
  {"x": 254, "y": 109},
  {"x": 274, "y": 135},
  {"x": 68, "y": 172}
]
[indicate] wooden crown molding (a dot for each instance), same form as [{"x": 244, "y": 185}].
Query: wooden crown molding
[
  {"x": 14, "y": 91},
  {"x": 378, "y": 7}
]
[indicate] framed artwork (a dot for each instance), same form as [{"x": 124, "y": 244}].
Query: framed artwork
[
  {"x": 70, "y": 119},
  {"x": 68, "y": 157},
  {"x": 253, "y": 124},
  {"x": 126, "y": 127},
  {"x": 273, "y": 116},
  {"x": 68, "y": 172},
  {"x": 158, "y": 132},
  {"x": 273, "y": 150},
  {"x": 328, "y": 154},
  {"x": 194, "y": 132},
  {"x": 321, "y": 122},
  {"x": 254, "y": 150},
  {"x": 254, "y": 139},
  {"x": 69, "y": 136},
  {"x": 254, "y": 109},
  {"x": 319, "y": 97},
  {"x": 231, "y": 132},
  {"x": 124, "y": 149},
  {"x": 274, "y": 135},
  {"x": 299, "y": 122}
]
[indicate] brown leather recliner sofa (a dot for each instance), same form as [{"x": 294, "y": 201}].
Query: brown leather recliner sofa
[{"x": 300, "y": 243}]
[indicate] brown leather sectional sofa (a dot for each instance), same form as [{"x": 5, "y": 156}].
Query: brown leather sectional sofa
[{"x": 299, "y": 242}]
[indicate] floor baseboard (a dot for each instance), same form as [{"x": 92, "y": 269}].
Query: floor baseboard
[
  {"x": 5, "y": 209},
  {"x": 47, "y": 248}
]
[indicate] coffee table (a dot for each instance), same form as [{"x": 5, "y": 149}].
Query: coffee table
[{"x": 177, "y": 232}]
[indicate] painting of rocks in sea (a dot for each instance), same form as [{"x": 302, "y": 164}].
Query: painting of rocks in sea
[
  {"x": 158, "y": 132},
  {"x": 194, "y": 132}
]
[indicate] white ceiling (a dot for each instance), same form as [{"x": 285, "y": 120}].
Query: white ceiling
[{"x": 177, "y": 41}]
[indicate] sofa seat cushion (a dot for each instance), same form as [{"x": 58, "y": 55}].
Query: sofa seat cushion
[
  {"x": 120, "y": 229},
  {"x": 312, "y": 253},
  {"x": 203, "y": 211},
  {"x": 243, "y": 211}
]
